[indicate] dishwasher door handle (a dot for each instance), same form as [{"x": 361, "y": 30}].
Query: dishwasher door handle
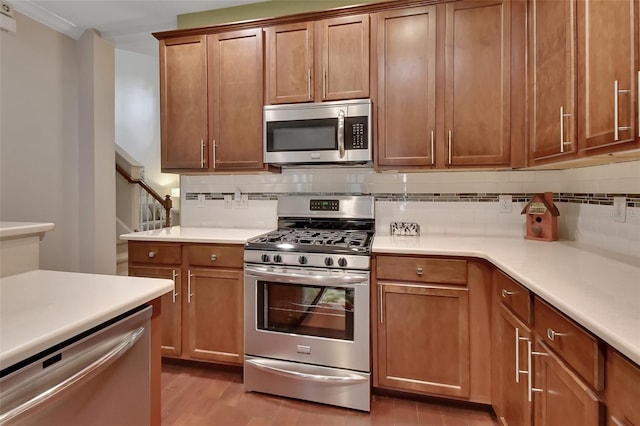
[{"x": 122, "y": 345}]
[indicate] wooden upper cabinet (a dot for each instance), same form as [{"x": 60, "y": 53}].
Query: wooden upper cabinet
[
  {"x": 318, "y": 61},
  {"x": 406, "y": 96},
  {"x": 552, "y": 59},
  {"x": 290, "y": 63},
  {"x": 236, "y": 99},
  {"x": 183, "y": 103},
  {"x": 344, "y": 51},
  {"x": 607, "y": 59},
  {"x": 477, "y": 83}
]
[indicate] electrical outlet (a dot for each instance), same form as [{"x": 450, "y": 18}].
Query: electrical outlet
[
  {"x": 200, "y": 200},
  {"x": 228, "y": 202},
  {"x": 244, "y": 201},
  {"x": 505, "y": 203},
  {"x": 619, "y": 212}
]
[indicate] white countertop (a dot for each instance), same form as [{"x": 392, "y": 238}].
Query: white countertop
[
  {"x": 39, "y": 309},
  {"x": 14, "y": 229},
  {"x": 197, "y": 235},
  {"x": 598, "y": 291}
]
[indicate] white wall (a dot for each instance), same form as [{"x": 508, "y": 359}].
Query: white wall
[
  {"x": 39, "y": 136},
  {"x": 137, "y": 119},
  {"x": 428, "y": 201},
  {"x": 45, "y": 78}
]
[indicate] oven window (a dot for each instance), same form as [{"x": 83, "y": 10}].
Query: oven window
[
  {"x": 302, "y": 135},
  {"x": 304, "y": 309}
]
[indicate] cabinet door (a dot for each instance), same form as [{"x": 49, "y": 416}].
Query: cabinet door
[
  {"x": 561, "y": 398},
  {"x": 170, "y": 307},
  {"x": 423, "y": 338},
  {"x": 622, "y": 391},
  {"x": 344, "y": 58},
  {"x": 406, "y": 51},
  {"x": 477, "y": 82},
  {"x": 290, "y": 63},
  {"x": 215, "y": 312},
  {"x": 606, "y": 46},
  {"x": 235, "y": 104},
  {"x": 183, "y": 103},
  {"x": 552, "y": 91},
  {"x": 513, "y": 335}
]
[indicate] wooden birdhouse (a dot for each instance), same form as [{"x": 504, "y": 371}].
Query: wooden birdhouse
[{"x": 542, "y": 218}]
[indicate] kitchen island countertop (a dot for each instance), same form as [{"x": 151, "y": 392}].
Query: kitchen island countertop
[
  {"x": 183, "y": 234},
  {"x": 596, "y": 289},
  {"x": 39, "y": 309}
]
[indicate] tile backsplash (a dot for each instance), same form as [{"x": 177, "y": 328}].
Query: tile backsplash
[{"x": 452, "y": 202}]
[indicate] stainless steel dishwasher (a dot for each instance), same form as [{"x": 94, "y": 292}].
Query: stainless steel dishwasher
[{"x": 100, "y": 377}]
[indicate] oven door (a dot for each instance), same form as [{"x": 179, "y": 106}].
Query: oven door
[{"x": 311, "y": 315}]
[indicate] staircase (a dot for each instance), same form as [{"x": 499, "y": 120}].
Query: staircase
[{"x": 138, "y": 206}]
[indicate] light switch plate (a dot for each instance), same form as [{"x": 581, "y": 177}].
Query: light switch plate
[
  {"x": 619, "y": 209},
  {"x": 405, "y": 228}
]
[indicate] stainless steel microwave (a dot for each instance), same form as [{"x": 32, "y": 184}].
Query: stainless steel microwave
[{"x": 327, "y": 132}]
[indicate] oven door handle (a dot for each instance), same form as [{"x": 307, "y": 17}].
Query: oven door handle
[
  {"x": 263, "y": 364},
  {"x": 288, "y": 277}
]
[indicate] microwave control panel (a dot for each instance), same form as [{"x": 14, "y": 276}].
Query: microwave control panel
[{"x": 357, "y": 133}]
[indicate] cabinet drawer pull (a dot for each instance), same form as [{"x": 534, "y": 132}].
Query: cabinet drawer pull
[
  {"x": 175, "y": 294},
  {"x": 551, "y": 334},
  {"x": 214, "y": 257},
  {"x": 419, "y": 270},
  {"x": 432, "y": 155},
  {"x": 309, "y": 84},
  {"x": 616, "y": 94},
  {"x": 518, "y": 371},
  {"x": 152, "y": 254},
  {"x": 506, "y": 292},
  {"x": 189, "y": 294},
  {"x": 563, "y": 115},
  {"x": 380, "y": 303},
  {"x": 530, "y": 353},
  {"x": 450, "y": 144}
]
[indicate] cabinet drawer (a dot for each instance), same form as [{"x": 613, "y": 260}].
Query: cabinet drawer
[
  {"x": 422, "y": 269},
  {"x": 577, "y": 347},
  {"x": 155, "y": 253},
  {"x": 514, "y": 296},
  {"x": 215, "y": 255}
]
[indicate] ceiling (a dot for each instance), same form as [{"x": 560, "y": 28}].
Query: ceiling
[{"x": 128, "y": 24}]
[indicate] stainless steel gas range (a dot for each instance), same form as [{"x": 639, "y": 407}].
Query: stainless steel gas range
[{"x": 307, "y": 302}]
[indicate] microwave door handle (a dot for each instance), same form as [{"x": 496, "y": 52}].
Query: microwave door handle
[{"x": 341, "y": 133}]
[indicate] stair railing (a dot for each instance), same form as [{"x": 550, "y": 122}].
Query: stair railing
[{"x": 149, "y": 192}]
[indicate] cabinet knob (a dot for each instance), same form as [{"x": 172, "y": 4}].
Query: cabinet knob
[
  {"x": 152, "y": 254},
  {"x": 419, "y": 270},
  {"x": 506, "y": 292},
  {"x": 552, "y": 334},
  {"x": 214, "y": 257}
]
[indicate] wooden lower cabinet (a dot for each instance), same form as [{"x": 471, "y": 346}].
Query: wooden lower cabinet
[
  {"x": 513, "y": 407},
  {"x": 423, "y": 339},
  {"x": 171, "y": 318},
  {"x": 203, "y": 318},
  {"x": 215, "y": 315},
  {"x": 561, "y": 397},
  {"x": 623, "y": 390}
]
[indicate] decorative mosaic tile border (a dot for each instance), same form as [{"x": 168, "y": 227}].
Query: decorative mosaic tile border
[{"x": 633, "y": 200}]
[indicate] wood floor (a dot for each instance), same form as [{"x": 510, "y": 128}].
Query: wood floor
[{"x": 201, "y": 395}]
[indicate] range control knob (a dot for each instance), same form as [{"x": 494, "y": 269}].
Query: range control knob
[
  {"x": 302, "y": 260},
  {"x": 342, "y": 262},
  {"x": 328, "y": 261},
  {"x": 277, "y": 258},
  {"x": 265, "y": 258}
]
